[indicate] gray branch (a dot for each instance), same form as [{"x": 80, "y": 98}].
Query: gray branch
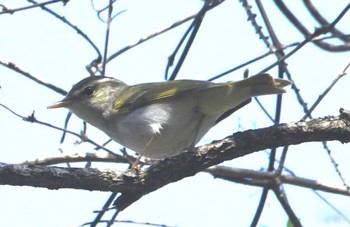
[{"x": 133, "y": 186}]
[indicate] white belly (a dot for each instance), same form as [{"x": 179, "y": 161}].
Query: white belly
[{"x": 160, "y": 131}]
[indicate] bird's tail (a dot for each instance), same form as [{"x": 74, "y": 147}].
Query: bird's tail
[
  {"x": 261, "y": 84},
  {"x": 226, "y": 96}
]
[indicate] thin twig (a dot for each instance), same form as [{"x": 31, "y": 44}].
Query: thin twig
[
  {"x": 6, "y": 10},
  {"x": 328, "y": 27},
  {"x": 195, "y": 25},
  {"x": 155, "y": 34},
  {"x": 333, "y": 207},
  {"x": 308, "y": 115},
  {"x": 112, "y": 220},
  {"x": 73, "y": 157},
  {"x": 15, "y": 68},
  {"x": 263, "y": 179},
  {"x": 282, "y": 198},
  {"x": 317, "y": 32},
  {"x": 326, "y": 91},
  {"x": 171, "y": 58},
  {"x": 110, "y": 10},
  {"x": 96, "y": 61},
  {"x": 105, "y": 207},
  {"x": 313, "y": 11},
  {"x": 255, "y": 24},
  {"x": 69, "y": 115},
  {"x": 128, "y": 222},
  {"x": 281, "y": 70},
  {"x": 32, "y": 119}
]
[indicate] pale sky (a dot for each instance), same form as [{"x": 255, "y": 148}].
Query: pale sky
[{"x": 43, "y": 46}]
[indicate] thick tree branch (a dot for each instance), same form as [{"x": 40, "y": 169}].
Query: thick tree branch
[{"x": 133, "y": 186}]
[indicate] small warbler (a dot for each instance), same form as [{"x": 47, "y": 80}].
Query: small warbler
[{"x": 159, "y": 120}]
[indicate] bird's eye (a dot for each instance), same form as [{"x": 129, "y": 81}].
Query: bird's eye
[{"x": 88, "y": 91}]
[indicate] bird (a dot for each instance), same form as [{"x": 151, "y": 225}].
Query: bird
[{"x": 161, "y": 119}]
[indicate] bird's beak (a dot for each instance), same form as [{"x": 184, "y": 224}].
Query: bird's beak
[{"x": 59, "y": 104}]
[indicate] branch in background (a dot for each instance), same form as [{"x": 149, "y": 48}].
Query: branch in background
[
  {"x": 267, "y": 179},
  {"x": 127, "y": 197},
  {"x": 15, "y": 68},
  {"x": 108, "y": 222},
  {"x": 318, "y": 101},
  {"x": 155, "y": 34},
  {"x": 93, "y": 63},
  {"x": 108, "y": 28},
  {"x": 316, "y": 33},
  {"x": 32, "y": 119},
  {"x": 133, "y": 186},
  {"x": 329, "y": 27},
  {"x": 272, "y": 50},
  {"x": 74, "y": 157},
  {"x": 192, "y": 32},
  {"x": 276, "y": 180},
  {"x": 282, "y": 70},
  {"x": 309, "y": 37},
  {"x": 238, "y": 145},
  {"x": 327, "y": 90},
  {"x": 6, "y": 10},
  {"x": 313, "y": 11},
  {"x": 256, "y": 26}
]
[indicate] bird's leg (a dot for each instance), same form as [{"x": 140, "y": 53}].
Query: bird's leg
[
  {"x": 137, "y": 161},
  {"x": 196, "y": 131}
]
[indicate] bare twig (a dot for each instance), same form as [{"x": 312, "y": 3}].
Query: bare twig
[
  {"x": 74, "y": 157},
  {"x": 282, "y": 68},
  {"x": 6, "y": 10},
  {"x": 263, "y": 179},
  {"x": 314, "y": 12},
  {"x": 96, "y": 61},
  {"x": 327, "y": 27},
  {"x": 109, "y": 21},
  {"x": 320, "y": 31},
  {"x": 105, "y": 207},
  {"x": 256, "y": 26},
  {"x": 194, "y": 28},
  {"x": 271, "y": 51},
  {"x": 66, "y": 121},
  {"x": 308, "y": 115},
  {"x": 15, "y": 68},
  {"x": 333, "y": 207},
  {"x": 282, "y": 198},
  {"x": 326, "y": 91},
  {"x": 155, "y": 34},
  {"x": 31, "y": 118},
  {"x": 133, "y": 186},
  {"x": 91, "y": 224}
]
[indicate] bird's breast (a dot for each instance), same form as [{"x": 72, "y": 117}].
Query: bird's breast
[{"x": 158, "y": 130}]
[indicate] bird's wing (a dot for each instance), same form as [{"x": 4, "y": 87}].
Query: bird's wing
[{"x": 141, "y": 94}]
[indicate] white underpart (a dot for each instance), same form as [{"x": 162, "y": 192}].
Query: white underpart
[{"x": 156, "y": 127}]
